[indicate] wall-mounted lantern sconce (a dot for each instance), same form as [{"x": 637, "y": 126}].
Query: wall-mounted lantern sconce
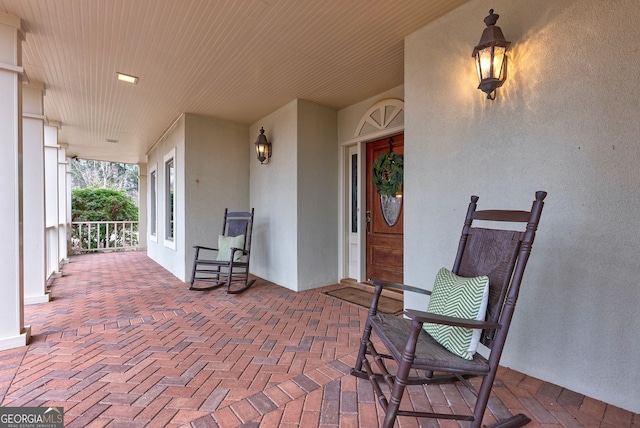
[
  {"x": 263, "y": 147},
  {"x": 491, "y": 58}
]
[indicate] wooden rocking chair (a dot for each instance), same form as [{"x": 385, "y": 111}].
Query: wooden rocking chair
[
  {"x": 230, "y": 266},
  {"x": 499, "y": 254}
]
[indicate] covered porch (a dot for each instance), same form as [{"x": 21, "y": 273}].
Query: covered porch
[
  {"x": 565, "y": 122},
  {"x": 123, "y": 343}
]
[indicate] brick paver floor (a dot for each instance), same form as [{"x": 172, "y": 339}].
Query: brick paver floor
[{"x": 123, "y": 343}]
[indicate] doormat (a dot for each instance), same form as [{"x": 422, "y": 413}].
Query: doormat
[{"x": 363, "y": 298}]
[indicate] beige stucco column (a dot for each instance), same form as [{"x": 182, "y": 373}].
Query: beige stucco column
[
  {"x": 33, "y": 120},
  {"x": 13, "y": 332}
]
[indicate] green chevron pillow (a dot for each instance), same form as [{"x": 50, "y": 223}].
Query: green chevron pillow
[{"x": 459, "y": 297}]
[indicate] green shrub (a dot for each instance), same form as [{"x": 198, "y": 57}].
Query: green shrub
[{"x": 94, "y": 204}]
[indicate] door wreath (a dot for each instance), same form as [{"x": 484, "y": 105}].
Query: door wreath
[{"x": 388, "y": 174}]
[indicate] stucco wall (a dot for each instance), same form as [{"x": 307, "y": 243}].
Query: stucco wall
[
  {"x": 566, "y": 121},
  {"x": 212, "y": 173},
  {"x": 274, "y": 197},
  {"x": 169, "y": 258},
  {"x": 317, "y": 196},
  {"x": 216, "y": 177},
  {"x": 295, "y": 197}
]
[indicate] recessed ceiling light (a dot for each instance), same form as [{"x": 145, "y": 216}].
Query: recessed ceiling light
[
  {"x": 111, "y": 140},
  {"x": 127, "y": 78}
]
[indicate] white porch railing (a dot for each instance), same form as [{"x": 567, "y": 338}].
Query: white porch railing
[{"x": 97, "y": 236}]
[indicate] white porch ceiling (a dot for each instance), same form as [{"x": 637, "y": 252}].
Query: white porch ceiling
[{"x": 237, "y": 60}]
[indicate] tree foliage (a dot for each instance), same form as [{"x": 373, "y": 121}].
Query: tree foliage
[
  {"x": 103, "y": 192},
  {"x": 95, "y": 204},
  {"x": 112, "y": 175}
]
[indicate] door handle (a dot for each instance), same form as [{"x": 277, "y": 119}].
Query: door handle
[{"x": 368, "y": 220}]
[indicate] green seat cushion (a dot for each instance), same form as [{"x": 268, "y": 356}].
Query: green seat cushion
[
  {"x": 460, "y": 297},
  {"x": 225, "y": 243}
]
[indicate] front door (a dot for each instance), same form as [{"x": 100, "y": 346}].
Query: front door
[{"x": 384, "y": 235}]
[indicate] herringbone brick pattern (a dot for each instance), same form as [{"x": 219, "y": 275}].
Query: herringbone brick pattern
[{"x": 123, "y": 343}]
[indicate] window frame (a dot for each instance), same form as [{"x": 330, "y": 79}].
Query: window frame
[
  {"x": 169, "y": 202},
  {"x": 153, "y": 203}
]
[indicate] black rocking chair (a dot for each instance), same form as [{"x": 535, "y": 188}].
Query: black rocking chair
[
  {"x": 228, "y": 264},
  {"x": 499, "y": 254}
]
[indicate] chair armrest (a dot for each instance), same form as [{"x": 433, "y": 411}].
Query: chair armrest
[
  {"x": 233, "y": 260},
  {"x": 422, "y": 317},
  {"x": 200, "y": 247},
  {"x": 396, "y": 286}
]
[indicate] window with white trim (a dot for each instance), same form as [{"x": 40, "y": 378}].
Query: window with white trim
[
  {"x": 153, "y": 203},
  {"x": 170, "y": 199}
]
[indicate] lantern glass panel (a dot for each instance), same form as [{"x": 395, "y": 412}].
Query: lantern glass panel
[
  {"x": 488, "y": 69},
  {"x": 498, "y": 62}
]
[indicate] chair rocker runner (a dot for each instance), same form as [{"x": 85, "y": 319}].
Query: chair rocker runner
[
  {"x": 496, "y": 253},
  {"x": 229, "y": 262}
]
